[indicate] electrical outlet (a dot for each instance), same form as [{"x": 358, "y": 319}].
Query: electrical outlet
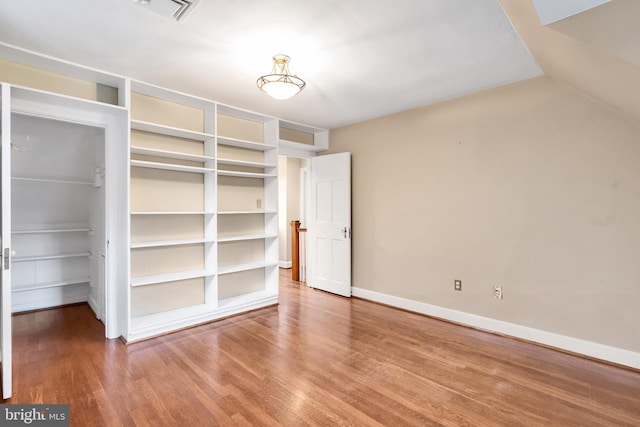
[
  {"x": 497, "y": 292},
  {"x": 259, "y": 203},
  {"x": 457, "y": 285}
]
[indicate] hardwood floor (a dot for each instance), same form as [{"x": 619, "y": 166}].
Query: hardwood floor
[{"x": 316, "y": 359}]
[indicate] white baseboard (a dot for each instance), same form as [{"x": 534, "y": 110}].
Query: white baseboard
[
  {"x": 574, "y": 345},
  {"x": 284, "y": 264}
]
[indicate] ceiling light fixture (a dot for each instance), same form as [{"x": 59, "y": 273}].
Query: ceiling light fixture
[{"x": 280, "y": 84}]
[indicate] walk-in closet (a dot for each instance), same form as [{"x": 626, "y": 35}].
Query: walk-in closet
[{"x": 58, "y": 213}]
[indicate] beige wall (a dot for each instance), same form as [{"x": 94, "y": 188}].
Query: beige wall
[
  {"x": 23, "y": 75},
  {"x": 531, "y": 186}
]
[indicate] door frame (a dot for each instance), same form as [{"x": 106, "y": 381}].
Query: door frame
[
  {"x": 114, "y": 120},
  {"x": 305, "y": 185},
  {"x": 6, "y": 332}
]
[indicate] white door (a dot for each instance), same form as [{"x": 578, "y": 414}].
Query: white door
[
  {"x": 329, "y": 224},
  {"x": 5, "y": 235}
]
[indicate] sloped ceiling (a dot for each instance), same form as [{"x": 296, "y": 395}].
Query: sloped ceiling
[
  {"x": 584, "y": 57},
  {"x": 550, "y": 11},
  {"x": 360, "y": 58},
  {"x": 613, "y": 27}
]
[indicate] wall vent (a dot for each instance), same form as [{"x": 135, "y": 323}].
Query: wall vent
[{"x": 176, "y": 9}]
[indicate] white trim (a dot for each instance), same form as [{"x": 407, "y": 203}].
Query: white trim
[
  {"x": 574, "y": 345},
  {"x": 285, "y": 264}
]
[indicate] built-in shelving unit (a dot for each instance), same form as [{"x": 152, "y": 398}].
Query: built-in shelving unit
[
  {"x": 172, "y": 188},
  {"x": 198, "y": 171},
  {"x": 247, "y": 206},
  {"x": 186, "y": 229}
]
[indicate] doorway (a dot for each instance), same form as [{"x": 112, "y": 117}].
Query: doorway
[
  {"x": 292, "y": 199},
  {"x": 58, "y": 230}
]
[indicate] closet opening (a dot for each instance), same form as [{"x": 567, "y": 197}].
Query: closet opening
[{"x": 58, "y": 206}]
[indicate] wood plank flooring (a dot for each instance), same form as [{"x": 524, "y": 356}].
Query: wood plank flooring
[{"x": 316, "y": 359}]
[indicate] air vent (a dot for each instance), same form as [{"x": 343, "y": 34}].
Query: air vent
[{"x": 176, "y": 9}]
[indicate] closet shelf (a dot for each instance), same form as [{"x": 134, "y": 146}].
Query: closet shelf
[
  {"x": 245, "y": 174},
  {"x": 51, "y": 230},
  {"x": 159, "y": 243},
  {"x": 246, "y": 237},
  {"x": 51, "y": 181},
  {"x": 244, "y": 163},
  {"x": 170, "y": 154},
  {"x": 48, "y": 257},
  {"x": 173, "y": 213},
  {"x": 169, "y": 277},
  {"x": 241, "y": 143},
  {"x": 170, "y": 166},
  {"x": 54, "y": 284},
  {"x": 245, "y": 267},
  {"x": 170, "y": 131}
]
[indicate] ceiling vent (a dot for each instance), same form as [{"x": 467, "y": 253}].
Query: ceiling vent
[{"x": 176, "y": 9}]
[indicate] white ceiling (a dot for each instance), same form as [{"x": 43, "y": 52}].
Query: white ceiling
[{"x": 360, "y": 58}]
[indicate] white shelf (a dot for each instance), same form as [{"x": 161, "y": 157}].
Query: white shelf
[
  {"x": 35, "y": 286},
  {"x": 245, "y": 174},
  {"x": 170, "y": 154},
  {"x": 171, "y": 131},
  {"x": 52, "y": 230},
  {"x": 169, "y": 277},
  {"x": 245, "y": 267},
  {"x": 50, "y": 181},
  {"x": 244, "y": 212},
  {"x": 227, "y": 110},
  {"x": 244, "y": 163},
  {"x": 170, "y": 166},
  {"x": 48, "y": 257},
  {"x": 174, "y": 213},
  {"x": 247, "y": 298},
  {"x": 283, "y": 143},
  {"x": 159, "y": 243},
  {"x": 241, "y": 143},
  {"x": 246, "y": 237}
]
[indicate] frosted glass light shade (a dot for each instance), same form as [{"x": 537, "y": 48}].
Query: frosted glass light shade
[{"x": 280, "y": 84}]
